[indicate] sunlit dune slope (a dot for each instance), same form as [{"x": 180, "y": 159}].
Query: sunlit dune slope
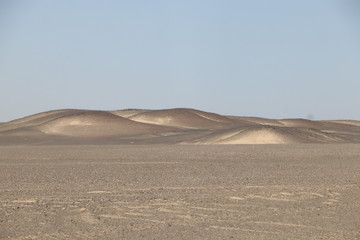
[
  {"x": 79, "y": 123},
  {"x": 170, "y": 126},
  {"x": 258, "y": 121},
  {"x": 96, "y": 123},
  {"x": 185, "y": 118},
  {"x": 347, "y": 122},
  {"x": 37, "y": 119},
  {"x": 267, "y": 135},
  {"x": 301, "y": 123},
  {"x": 127, "y": 113}
]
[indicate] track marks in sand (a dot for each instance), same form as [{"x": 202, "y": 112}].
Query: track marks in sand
[
  {"x": 283, "y": 224},
  {"x": 25, "y": 201},
  {"x": 257, "y": 210},
  {"x": 140, "y": 163},
  {"x": 288, "y": 197},
  {"x": 261, "y": 198},
  {"x": 244, "y": 230},
  {"x": 98, "y": 192}
]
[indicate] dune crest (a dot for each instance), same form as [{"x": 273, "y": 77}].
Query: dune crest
[
  {"x": 127, "y": 113},
  {"x": 302, "y": 123},
  {"x": 171, "y": 126},
  {"x": 267, "y": 135},
  {"x": 184, "y": 118},
  {"x": 95, "y": 123},
  {"x": 347, "y": 122}
]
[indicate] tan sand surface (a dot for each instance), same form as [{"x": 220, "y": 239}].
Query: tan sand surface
[
  {"x": 291, "y": 191},
  {"x": 170, "y": 126},
  {"x": 126, "y": 113},
  {"x": 185, "y": 118},
  {"x": 268, "y": 135}
]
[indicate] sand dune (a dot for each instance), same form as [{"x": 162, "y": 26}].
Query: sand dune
[
  {"x": 37, "y": 119},
  {"x": 23, "y": 132},
  {"x": 95, "y": 123},
  {"x": 185, "y": 118},
  {"x": 78, "y": 123},
  {"x": 258, "y": 121},
  {"x": 302, "y": 123},
  {"x": 347, "y": 122},
  {"x": 127, "y": 113},
  {"x": 267, "y": 135},
  {"x": 171, "y": 126}
]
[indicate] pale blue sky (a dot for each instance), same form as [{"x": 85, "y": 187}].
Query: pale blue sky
[{"x": 275, "y": 59}]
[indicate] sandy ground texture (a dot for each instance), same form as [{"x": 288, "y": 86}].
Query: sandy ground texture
[{"x": 291, "y": 191}]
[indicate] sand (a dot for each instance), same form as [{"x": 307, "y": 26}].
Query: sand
[
  {"x": 296, "y": 191},
  {"x": 170, "y": 126},
  {"x": 178, "y": 174},
  {"x": 184, "y": 118}
]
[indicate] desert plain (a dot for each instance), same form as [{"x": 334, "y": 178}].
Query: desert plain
[{"x": 178, "y": 174}]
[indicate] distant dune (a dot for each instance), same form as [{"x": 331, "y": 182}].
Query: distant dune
[
  {"x": 348, "y": 122},
  {"x": 77, "y": 123},
  {"x": 267, "y": 135},
  {"x": 258, "y": 121},
  {"x": 126, "y": 113},
  {"x": 171, "y": 126},
  {"x": 185, "y": 118},
  {"x": 95, "y": 124},
  {"x": 302, "y": 123}
]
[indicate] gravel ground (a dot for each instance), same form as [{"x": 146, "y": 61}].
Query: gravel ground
[{"x": 304, "y": 191}]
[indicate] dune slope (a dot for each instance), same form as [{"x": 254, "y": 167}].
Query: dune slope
[
  {"x": 78, "y": 123},
  {"x": 267, "y": 135},
  {"x": 96, "y": 123},
  {"x": 185, "y": 118},
  {"x": 171, "y": 126}
]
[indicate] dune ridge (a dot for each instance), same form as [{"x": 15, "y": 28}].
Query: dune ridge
[
  {"x": 171, "y": 126},
  {"x": 95, "y": 123},
  {"x": 266, "y": 134},
  {"x": 127, "y": 113},
  {"x": 77, "y": 123},
  {"x": 347, "y": 122},
  {"x": 184, "y": 118}
]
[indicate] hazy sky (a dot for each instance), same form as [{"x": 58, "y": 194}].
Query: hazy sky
[{"x": 261, "y": 58}]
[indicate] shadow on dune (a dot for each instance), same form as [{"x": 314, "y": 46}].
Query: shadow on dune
[{"x": 170, "y": 126}]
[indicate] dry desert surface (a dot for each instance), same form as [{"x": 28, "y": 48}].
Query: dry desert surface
[{"x": 178, "y": 174}]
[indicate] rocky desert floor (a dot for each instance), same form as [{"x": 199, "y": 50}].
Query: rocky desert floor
[{"x": 286, "y": 191}]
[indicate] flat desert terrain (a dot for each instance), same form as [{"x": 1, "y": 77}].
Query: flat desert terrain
[
  {"x": 304, "y": 191},
  {"x": 178, "y": 174}
]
